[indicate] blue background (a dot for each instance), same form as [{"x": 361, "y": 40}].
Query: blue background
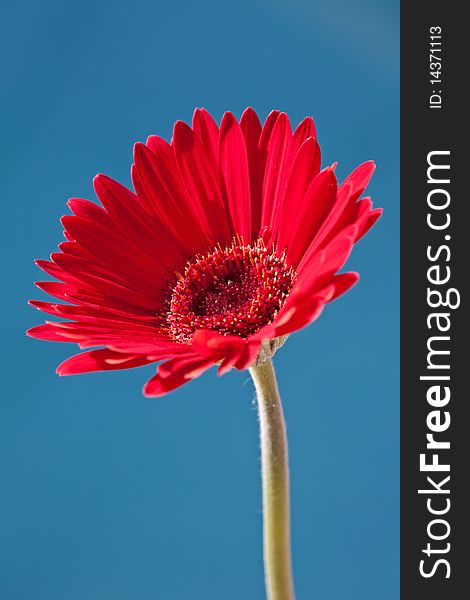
[{"x": 108, "y": 495}]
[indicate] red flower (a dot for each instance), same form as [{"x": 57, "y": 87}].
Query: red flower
[{"x": 231, "y": 241}]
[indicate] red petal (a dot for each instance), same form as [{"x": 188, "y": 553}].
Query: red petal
[
  {"x": 201, "y": 182},
  {"x": 304, "y": 130},
  {"x": 317, "y": 201},
  {"x": 247, "y": 356},
  {"x": 140, "y": 227},
  {"x": 47, "y": 332},
  {"x": 251, "y": 128},
  {"x": 278, "y": 163},
  {"x": 56, "y": 289},
  {"x": 115, "y": 299},
  {"x": 305, "y": 167},
  {"x": 82, "y": 269},
  {"x": 207, "y": 131},
  {"x": 348, "y": 193},
  {"x": 158, "y": 183},
  {"x": 123, "y": 337},
  {"x": 316, "y": 282},
  {"x": 174, "y": 373},
  {"x": 233, "y": 164},
  {"x": 100, "y": 360},
  {"x": 155, "y": 350},
  {"x": 317, "y": 265},
  {"x": 343, "y": 283},
  {"x": 112, "y": 249},
  {"x": 268, "y": 129},
  {"x": 212, "y": 344},
  {"x": 109, "y": 292},
  {"x": 74, "y": 249},
  {"x": 87, "y": 314},
  {"x": 88, "y": 210},
  {"x": 307, "y": 309},
  {"x": 360, "y": 177},
  {"x": 94, "y": 292},
  {"x": 232, "y": 350},
  {"x": 55, "y": 271},
  {"x": 303, "y": 312},
  {"x": 374, "y": 215},
  {"x": 356, "y": 213}
]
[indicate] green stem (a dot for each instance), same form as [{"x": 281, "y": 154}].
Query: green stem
[{"x": 275, "y": 476}]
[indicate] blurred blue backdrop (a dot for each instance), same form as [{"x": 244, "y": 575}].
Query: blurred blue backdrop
[{"x": 106, "y": 495}]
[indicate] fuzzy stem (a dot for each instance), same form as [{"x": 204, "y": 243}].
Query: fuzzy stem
[{"x": 275, "y": 477}]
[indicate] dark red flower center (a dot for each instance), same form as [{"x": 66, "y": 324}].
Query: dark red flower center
[{"x": 233, "y": 290}]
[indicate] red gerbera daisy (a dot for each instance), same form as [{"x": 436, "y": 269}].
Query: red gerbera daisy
[{"x": 231, "y": 241}]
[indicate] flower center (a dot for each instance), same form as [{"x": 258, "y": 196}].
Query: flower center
[{"x": 233, "y": 290}]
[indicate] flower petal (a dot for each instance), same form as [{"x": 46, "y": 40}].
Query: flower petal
[
  {"x": 343, "y": 283},
  {"x": 348, "y": 194},
  {"x": 160, "y": 188},
  {"x": 213, "y": 344},
  {"x": 47, "y": 332},
  {"x": 315, "y": 268},
  {"x": 87, "y": 314},
  {"x": 207, "y": 131},
  {"x": 73, "y": 270},
  {"x": 312, "y": 209},
  {"x": 278, "y": 163},
  {"x": 201, "y": 182},
  {"x": 305, "y": 168},
  {"x": 137, "y": 225},
  {"x": 251, "y": 128},
  {"x": 372, "y": 218},
  {"x": 307, "y": 308},
  {"x": 303, "y": 131},
  {"x": 174, "y": 373},
  {"x": 248, "y": 355},
  {"x": 302, "y": 313},
  {"x": 232, "y": 350},
  {"x": 88, "y": 210},
  {"x": 100, "y": 360},
  {"x": 234, "y": 175}
]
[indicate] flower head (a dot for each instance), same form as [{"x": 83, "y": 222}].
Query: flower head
[{"x": 231, "y": 241}]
